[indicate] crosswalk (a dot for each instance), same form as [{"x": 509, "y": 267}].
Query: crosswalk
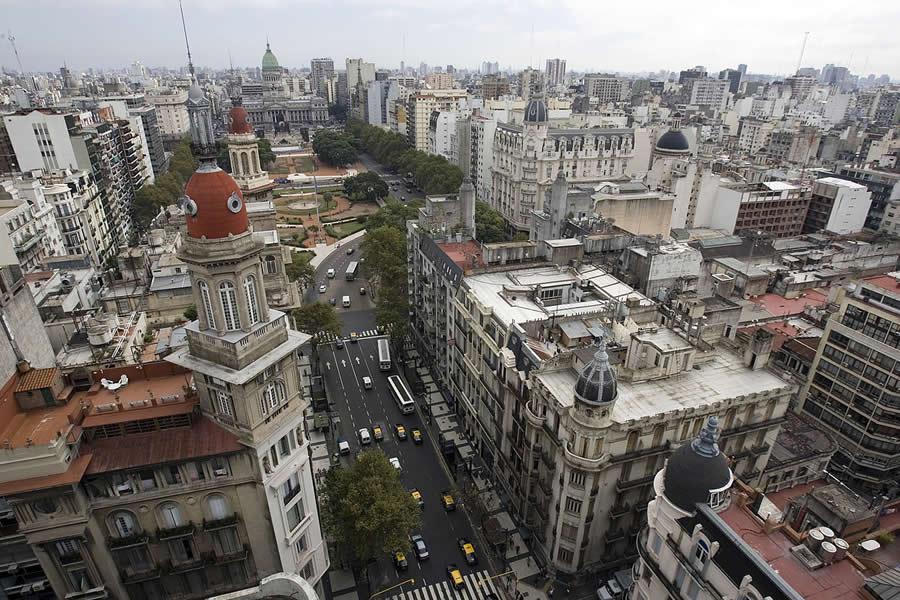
[
  {"x": 325, "y": 338},
  {"x": 444, "y": 591}
]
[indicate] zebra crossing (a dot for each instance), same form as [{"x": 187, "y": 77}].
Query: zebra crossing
[
  {"x": 444, "y": 591},
  {"x": 327, "y": 338}
]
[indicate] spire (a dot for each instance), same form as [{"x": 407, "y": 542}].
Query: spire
[
  {"x": 705, "y": 443},
  {"x": 186, "y": 43}
]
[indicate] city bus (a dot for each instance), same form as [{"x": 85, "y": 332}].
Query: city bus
[
  {"x": 401, "y": 395},
  {"x": 352, "y": 270},
  {"x": 384, "y": 355}
]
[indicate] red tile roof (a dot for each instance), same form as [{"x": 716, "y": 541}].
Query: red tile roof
[
  {"x": 72, "y": 475},
  {"x": 885, "y": 282},
  {"x": 204, "y": 438},
  {"x": 36, "y": 379},
  {"x": 783, "y": 307}
]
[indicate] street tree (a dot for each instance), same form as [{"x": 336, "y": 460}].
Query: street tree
[
  {"x": 489, "y": 224},
  {"x": 299, "y": 270},
  {"x": 392, "y": 311},
  {"x": 384, "y": 257},
  {"x": 365, "y": 186},
  {"x": 395, "y": 214},
  {"x": 367, "y": 510},
  {"x": 317, "y": 319}
]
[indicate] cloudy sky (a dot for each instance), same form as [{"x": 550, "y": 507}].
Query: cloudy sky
[{"x": 592, "y": 35}]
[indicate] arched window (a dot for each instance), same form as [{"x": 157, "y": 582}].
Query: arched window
[
  {"x": 255, "y": 155},
  {"x": 245, "y": 164},
  {"x": 272, "y": 397},
  {"x": 271, "y": 265},
  {"x": 170, "y": 515},
  {"x": 229, "y": 306},
  {"x": 252, "y": 306},
  {"x": 235, "y": 167},
  {"x": 218, "y": 507},
  {"x": 123, "y": 524},
  {"x": 207, "y": 305},
  {"x": 632, "y": 441}
]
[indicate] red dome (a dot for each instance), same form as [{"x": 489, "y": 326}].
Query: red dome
[
  {"x": 240, "y": 121},
  {"x": 214, "y": 206}
]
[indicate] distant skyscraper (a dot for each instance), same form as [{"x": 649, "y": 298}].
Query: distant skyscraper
[
  {"x": 490, "y": 68},
  {"x": 733, "y": 77},
  {"x": 321, "y": 70},
  {"x": 743, "y": 69},
  {"x": 555, "y": 72}
]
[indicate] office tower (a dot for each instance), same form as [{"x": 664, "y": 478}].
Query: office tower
[
  {"x": 734, "y": 78},
  {"x": 555, "y": 72},
  {"x": 321, "y": 70}
]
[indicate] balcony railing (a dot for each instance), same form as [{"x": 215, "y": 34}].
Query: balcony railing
[
  {"x": 220, "y": 523},
  {"x": 641, "y": 453},
  {"x": 619, "y": 510},
  {"x": 218, "y": 558},
  {"x": 621, "y": 485},
  {"x": 169, "y": 533},
  {"x": 727, "y": 433},
  {"x": 115, "y": 543},
  {"x": 134, "y": 575}
]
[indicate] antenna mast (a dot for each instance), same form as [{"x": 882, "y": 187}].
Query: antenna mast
[
  {"x": 12, "y": 42},
  {"x": 187, "y": 45},
  {"x": 802, "y": 50}
]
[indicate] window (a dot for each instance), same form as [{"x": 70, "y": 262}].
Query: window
[
  {"x": 226, "y": 540},
  {"x": 290, "y": 488},
  {"x": 170, "y": 515},
  {"x": 195, "y": 471},
  {"x": 229, "y": 306},
  {"x": 147, "y": 479},
  {"x": 701, "y": 553},
  {"x": 218, "y": 507},
  {"x": 123, "y": 524},
  {"x": 219, "y": 466},
  {"x": 573, "y": 505},
  {"x": 693, "y": 589},
  {"x": 252, "y": 306},
  {"x": 137, "y": 558},
  {"x": 271, "y": 265},
  {"x": 569, "y": 532},
  {"x": 172, "y": 475},
  {"x": 564, "y": 555},
  {"x": 295, "y": 514},
  {"x": 300, "y": 545},
  {"x": 679, "y": 577},
  {"x": 66, "y": 547},
  {"x": 655, "y": 542},
  {"x": 80, "y": 580},
  {"x": 225, "y": 405},
  {"x": 577, "y": 478},
  {"x": 272, "y": 396},
  {"x": 309, "y": 570},
  {"x": 182, "y": 550},
  {"x": 284, "y": 446}
]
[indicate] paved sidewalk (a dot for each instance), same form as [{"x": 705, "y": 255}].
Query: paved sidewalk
[{"x": 323, "y": 251}]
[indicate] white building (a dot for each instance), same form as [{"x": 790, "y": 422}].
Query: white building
[
  {"x": 419, "y": 109},
  {"x": 29, "y": 221},
  {"x": 481, "y": 140},
  {"x": 837, "y": 206},
  {"x": 442, "y": 133},
  {"x": 710, "y": 92},
  {"x": 602, "y": 89},
  {"x": 555, "y": 73},
  {"x": 171, "y": 111},
  {"x": 42, "y": 141}
]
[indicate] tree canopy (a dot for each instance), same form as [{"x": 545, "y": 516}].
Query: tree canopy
[
  {"x": 384, "y": 265},
  {"x": 490, "y": 226},
  {"x": 299, "y": 270},
  {"x": 365, "y": 186},
  {"x": 395, "y": 214},
  {"x": 433, "y": 173},
  {"x": 367, "y": 510},
  {"x": 335, "y": 148},
  {"x": 168, "y": 188},
  {"x": 317, "y": 319}
]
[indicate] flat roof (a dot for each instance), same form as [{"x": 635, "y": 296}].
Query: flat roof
[
  {"x": 71, "y": 475},
  {"x": 721, "y": 377},
  {"x": 841, "y": 182},
  {"x": 780, "y": 306},
  {"x": 779, "y": 186},
  {"x": 562, "y": 243}
]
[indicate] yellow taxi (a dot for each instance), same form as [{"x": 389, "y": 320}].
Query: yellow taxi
[
  {"x": 417, "y": 436},
  {"x": 417, "y": 496},
  {"x": 400, "y": 561},
  {"x": 400, "y": 430},
  {"x": 447, "y": 501},
  {"x": 468, "y": 550},
  {"x": 454, "y": 576}
]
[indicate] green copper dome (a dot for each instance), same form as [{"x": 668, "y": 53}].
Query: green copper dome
[{"x": 269, "y": 61}]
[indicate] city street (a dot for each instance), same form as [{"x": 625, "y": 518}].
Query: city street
[
  {"x": 422, "y": 468},
  {"x": 398, "y": 192}
]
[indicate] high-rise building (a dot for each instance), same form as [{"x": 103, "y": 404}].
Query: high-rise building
[
  {"x": 531, "y": 83},
  {"x": 418, "y": 113},
  {"x": 852, "y": 389},
  {"x": 605, "y": 88},
  {"x": 321, "y": 70},
  {"x": 171, "y": 113},
  {"x": 743, "y": 69},
  {"x": 494, "y": 86},
  {"x": 439, "y": 81},
  {"x": 734, "y": 78},
  {"x": 709, "y": 92},
  {"x": 555, "y": 72},
  {"x": 837, "y": 206}
]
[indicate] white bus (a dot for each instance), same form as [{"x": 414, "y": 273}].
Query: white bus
[
  {"x": 401, "y": 395},
  {"x": 384, "y": 355}
]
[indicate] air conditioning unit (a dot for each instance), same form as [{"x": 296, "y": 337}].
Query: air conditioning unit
[
  {"x": 139, "y": 403},
  {"x": 103, "y": 408},
  {"x": 12, "y": 567},
  {"x": 39, "y": 586}
]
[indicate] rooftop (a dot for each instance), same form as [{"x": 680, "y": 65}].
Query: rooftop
[
  {"x": 889, "y": 282},
  {"x": 461, "y": 253},
  {"x": 799, "y": 439},
  {"x": 780, "y": 306},
  {"x": 841, "y": 182},
  {"x": 721, "y": 377}
]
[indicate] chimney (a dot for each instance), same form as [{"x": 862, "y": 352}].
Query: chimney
[{"x": 756, "y": 355}]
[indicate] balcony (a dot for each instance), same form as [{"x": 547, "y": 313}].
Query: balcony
[
  {"x": 581, "y": 462},
  {"x": 228, "y": 521},
  {"x": 546, "y": 487},
  {"x": 622, "y": 486},
  {"x": 532, "y": 417},
  {"x": 752, "y": 427},
  {"x": 641, "y": 453},
  {"x": 550, "y": 433},
  {"x": 619, "y": 510},
  {"x": 126, "y": 542},
  {"x": 220, "y": 558},
  {"x": 170, "y": 533},
  {"x": 548, "y": 461},
  {"x": 133, "y": 575},
  {"x": 641, "y": 505},
  {"x": 183, "y": 566},
  {"x": 740, "y": 453},
  {"x": 614, "y": 535}
]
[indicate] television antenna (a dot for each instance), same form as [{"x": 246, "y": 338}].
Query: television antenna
[{"x": 12, "y": 42}]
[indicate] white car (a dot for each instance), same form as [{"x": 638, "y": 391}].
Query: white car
[
  {"x": 395, "y": 462},
  {"x": 322, "y": 288},
  {"x": 367, "y": 382},
  {"x": 364, "y": 437}
]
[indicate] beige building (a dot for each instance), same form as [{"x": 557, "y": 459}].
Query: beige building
[
  {"x": 527, "y": 158},
  {"x": 439, "y": 81},
  {"x": 633, "y": 208},
  {"x": 418, "y": 113},
  {"x": 171, "y": 111}
]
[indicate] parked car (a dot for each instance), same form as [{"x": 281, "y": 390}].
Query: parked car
[
  {"x": 350, "y": 250},
  {"x": 343, "y": 445},
  {"x": 447, "y": 501},
  {"x": 417, "y": 496},
  {"x": 322, "y": 288},
  {"x": 339, "y": 343},
  {"x": 395, "y": 462},
  {"x": 332, "y": 301},
  {"x": 400, "y": 561}
]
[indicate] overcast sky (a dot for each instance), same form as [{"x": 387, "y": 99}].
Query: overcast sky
[{"x": 600, "y": 35}]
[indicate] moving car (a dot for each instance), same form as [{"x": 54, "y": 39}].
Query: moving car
[
  {"x": 400, "y": 561},
  {"x": 345, "y": 301},
  {"x": 417, "y": 436},
  {"x": 330, "y": 273},
  {"x": 364, "y": 437},
  {"x": 343, "y": 445},
  {"x": 395, "y": 462},
  {"x": 402, "y": 198},
  {"x": 362, "y": 291},
  {"x": 418, "y": 544},
  {"x": 468, "y": 550},
  {"x": 350, "y": 250},
  {"x": 417, "y": 496},
  {"x": 377, "y": 433},
  {"x": 322, "y": 288},
  {"x": 353, "y": 337},
  {"x": 400, "y": 430},
  {"x": 367, "y": 384},
  {"x": 454, "y": 576},
  {"x": 447, "y": 501},
  {"x": 332, "y": 301},
  {"x": 339, "y": 343}
]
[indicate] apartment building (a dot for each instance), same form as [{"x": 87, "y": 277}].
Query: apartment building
[
  {"x": 853, "y": 390},
  {"x": 555, "y": 72},
  {"x": 837, "y": 206},
  {"x": 439, "y": 81},
  {"x": 321, "y": 71},
  {"x": 753, "y": 134},
  {"x": 798, "y": 146},
  {"x": 531, "y": 83},
  {"x": 494, "y": 86},
  {"x": 710, "y": 93},
  {"x": 481, "y": 139},
  {"x": 604, "y": 88},
  {"x": 527, "y": 158},
  {"x": 879, "y": 182},
  {"x": 81, "y": 218},
  {"x": 775, "y": 208},
  {"x": 418, "y": 113},
  {"x": 30, "y": 222},
  {"x": 171, "y": 111}
]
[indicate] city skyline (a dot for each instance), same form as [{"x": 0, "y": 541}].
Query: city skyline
[{"x": 463, "y": 35}]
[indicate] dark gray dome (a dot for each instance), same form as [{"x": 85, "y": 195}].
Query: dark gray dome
[
  {"x": 673, "y": 140},
  {"x": 536, "y": 111},
  {"x": 697, "y": 468},
  {"x": 596, "y": 384}
]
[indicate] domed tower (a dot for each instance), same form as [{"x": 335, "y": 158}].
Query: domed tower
[
  {"x": 536, "y": 112},
  {"x": 671, "y": 150},
  {"x": 596, "y": 391},
  {"x": 243, "y": 152},
  {"x": 271, "y": 70},
  {"x": 246, "y": 361}
]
